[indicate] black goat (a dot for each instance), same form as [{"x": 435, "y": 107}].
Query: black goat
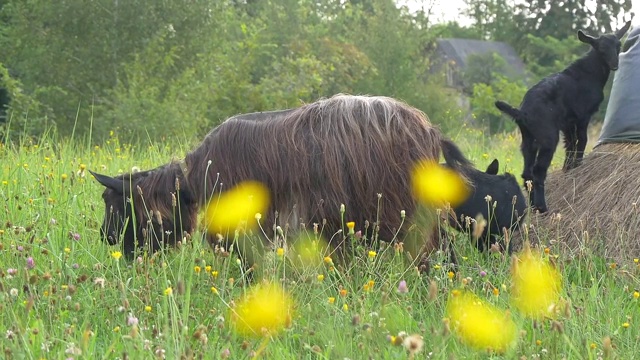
[
  {"x": 502, "y": 190},
  {"x": 563, "y": 102}
]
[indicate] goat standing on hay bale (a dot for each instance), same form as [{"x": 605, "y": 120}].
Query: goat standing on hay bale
[
  {"x": 563, "y": 102},
  {"x": 341, "y": 150},
  {"x": 597, "y": 205}
]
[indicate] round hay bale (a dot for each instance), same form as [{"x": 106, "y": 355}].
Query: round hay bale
[{"x": 595, "y": 206}]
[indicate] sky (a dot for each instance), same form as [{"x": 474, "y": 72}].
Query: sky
[{"x": 448, "y": 10}]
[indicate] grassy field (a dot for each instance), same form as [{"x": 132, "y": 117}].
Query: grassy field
[{"x": 66, "y": 294}]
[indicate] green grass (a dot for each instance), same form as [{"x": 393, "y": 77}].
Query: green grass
[{"x": 77, "y": 301}]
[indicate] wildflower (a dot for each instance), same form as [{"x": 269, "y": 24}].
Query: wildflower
[
  {"x": 413, "y": 344},
  {"x": 345, "y": 307},
  {"x": 343, "y": 292},
  {"x": 13, "y": 292},
  {"x": 625, "y": 325},
  {"x": 99, "y": 282},
  {"x": 280, "y": 252},
  {"x": 67, "y": 250},
  {"x": 320, "y": 277},
  {"x": 593, "y": 346},
  {"x": 147, "y": 308},
  {"x": 434, "y": 185},
  {"x": 132, "y": 321},
  {"x": 479, "y": 324},
  {"x": 214, "y": 274},
  {"x": 12, "y": 271},
  {"x": 372, "y": 254},
  {"x": 496, "y": 292},
  {"x": 328, "y": 260},
  {"x": 636, "y": 294},
  {"x": 30, "y": 263},
  {"x": 483, "y": 273},
  {"x": 331, "y": 299},
  {"x": 75, "y": 236},
  {"x": 451, "y": 275},
  {"x": 258, "y": 216},
  {"x": 636, "y": 260},
  {"x": 437, "y": 266},
  {"x": 63, "y": 177},
  {"x": 207, "y": 268},
  {"x": 264, "y": 307},
  {"x": 236, "y": 205},
  {"x": 116, "y": 255},
  {"x": 351, "y": 226},
  {"x": 538, "y": 342},
  {"x": 168, "y": 291},
  {"x": 402, "y": 287},
  {"x": 214, "y": 290},
  {"x": 536, "y": 285},
  {"x": 197, "y": 269},
  {"x": 116, "y": 329}
]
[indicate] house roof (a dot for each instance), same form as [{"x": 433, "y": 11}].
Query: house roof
[{"x": 460, "y": 49}]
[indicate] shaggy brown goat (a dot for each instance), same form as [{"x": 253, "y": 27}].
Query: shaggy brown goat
[{"x": 341, "y": 150}]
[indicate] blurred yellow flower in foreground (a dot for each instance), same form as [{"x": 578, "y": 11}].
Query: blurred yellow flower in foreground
[
  {"x": 535, "y": 284},
  {"x": 264, "y": 310},
  {"x": 308, "y": 252},
  {"x": 479, "y": 324},
  {"x": 435, "y": 185},
  {"x": 238, "y": 204}
]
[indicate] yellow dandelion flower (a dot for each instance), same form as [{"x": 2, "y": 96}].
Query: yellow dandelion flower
[
  {"x": 5, "y": 182},
  {"x": 437, "y": 266},
  {"x": 613, "y": 266},
  {"x": 343, "y": 292},
  {"x": 168, "y": 291},
  {"x": 331, "y": 300},
  {"x": 435, "y": 185},
  {"x": 345, "y": 307},
  {"x": 371, "y": 283},
  {"x": 116, "y": 329},
  {"x": 636, "y": 260},
  {"x": 214, "y": 290},
  {"x": 538, "y": 342},
  {"x": 625, "y": 325},
  {"x": 197, "y": 269},
  {"x": 593, "y": 346},
  {"x": 63, "y": 177},
  {"x": 536, "y": 285},
  {"x": 147, "y": 308},
  {"x": 365, "y": 287},
  {"x": 328, "y": 260},
  {"x": 351, "y": 225},
  {"x": 320, "y": 277},
  {"x": 207, "y": 268},
  {"x": 479, "y": 324},
  {"x": 636, "y": 294},
  {"x": 214, "y": 274},
  {"x": 264, "y": 307},
  {"x": 496, "y": 292},
  {"x": 280, "y": 252},
  {"x": 116, "y": 255},
  {"x": 234, "y": 206},
  {"x": 451, "y": 274},
  {"x": 372, "y": 254},
  {"x": 67, "y": 250}
]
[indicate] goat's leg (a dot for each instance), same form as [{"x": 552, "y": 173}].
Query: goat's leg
[
  {"x": 581, "y": 144},
  {"x": 545, "y": 155},
  {"x": 529, "y": 151},
  {"x": 570, "y": 146}
]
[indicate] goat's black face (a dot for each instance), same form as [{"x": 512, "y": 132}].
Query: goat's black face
[
  {"x": 117, "y": 217},
  {"x": 607, "y": 46}
]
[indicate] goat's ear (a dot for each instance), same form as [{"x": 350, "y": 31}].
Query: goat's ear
[
  {"x": 587, "y": 39},
  {"x": 620, "y": 33},
  {"x": 118, "y": 185},
  {"x": 492, "y": 169}
]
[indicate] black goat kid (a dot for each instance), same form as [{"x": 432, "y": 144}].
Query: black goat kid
[{"x": 563, "y": 102}]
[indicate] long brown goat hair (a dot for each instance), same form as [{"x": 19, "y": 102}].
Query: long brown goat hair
[{"x": 353, "y": 150}]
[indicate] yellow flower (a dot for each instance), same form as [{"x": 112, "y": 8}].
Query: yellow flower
[
  {"x": 345, "y": 307},
  {"x": 451, "y": 274},
  {"x": 234, "y": 206},
  {"x": 214, "y": 273},
  {"x": 147, "y": 308},
  {"x": 636, "y": 294},
  {"x": 625, "y": 325},
  {"x": 83, "y": 167},
  {"x": 593, "y": 346},
  {"x": 320, "y": 277},
  {"x": 280, "y": 252},
  {"x": 479, "y": 324},
  {"x": 496, "y": 292},
  {"x": 636, "y": 260},
  {"x": 332, "y": 300},
  {"x": 372, "y": 254},
  {"x": 207, "y": 268},
  {"x": 536, "y": 285},
  {"x": 116, "y": 329},
  {"x": 437, "y": 267},
  {"x": 343, "y": 292},
  {"x": 538, "y": 342},
  {"x": 67, "y": 250},
  {"x": 168, "y": 291},
  {"x": 63, "y": 177},
  {"x": 214, "y": 290},
  {"x": 351, "y": 226},
  {"x": 435, "y": 185},
  {"x": 116, "y": 255},
  {"x": 264, "y": 307},
  {"x": 197, "y": 269},
  {"x": 328, "y": 260}
]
